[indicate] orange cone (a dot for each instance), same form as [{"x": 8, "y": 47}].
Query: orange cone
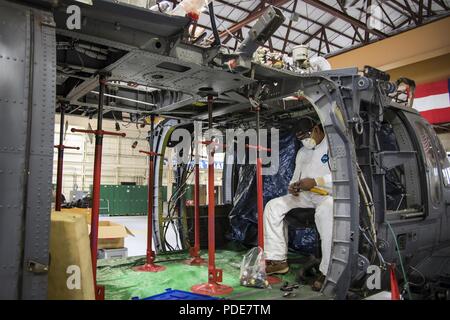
[{"x": 395, "y": 292}]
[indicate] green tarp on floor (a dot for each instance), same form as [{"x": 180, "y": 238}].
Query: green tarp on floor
[{"x": 122, "y": 283}]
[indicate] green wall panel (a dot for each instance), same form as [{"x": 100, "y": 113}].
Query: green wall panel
[
  {"x": 130, "y": 200},
  {"x": 123, "y": 200}
]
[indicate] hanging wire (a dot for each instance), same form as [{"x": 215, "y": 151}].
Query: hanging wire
[
  {"x": 172, "y": 208},
  {"x": 406, "y": 286}
]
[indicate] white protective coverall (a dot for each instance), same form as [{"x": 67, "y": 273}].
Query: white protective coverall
[{"x": 309, "y": 163}]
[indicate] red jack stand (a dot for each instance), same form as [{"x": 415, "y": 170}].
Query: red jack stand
[
  {"x": 196, "y": 260},
  {"x": 149, "y": 266},
  {"x": 212, "y": 287},
  {"x": 99, "y": 133},
  {"x": 259, "y": 192},
  {"x": 59, "y": 172}
]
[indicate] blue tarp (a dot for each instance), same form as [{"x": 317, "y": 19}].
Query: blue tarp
[{"x": 243, "y": 216}]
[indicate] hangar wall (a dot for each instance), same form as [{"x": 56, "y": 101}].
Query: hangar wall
[
  {"x": 121, "y": 162},
  {"x": 423, "y": 43}
]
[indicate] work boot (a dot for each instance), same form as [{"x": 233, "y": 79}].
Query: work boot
[
  {"x": 276, "y": 267},
  {"x": 309, "y": 268},
  {"x": 318, "y": 284}
]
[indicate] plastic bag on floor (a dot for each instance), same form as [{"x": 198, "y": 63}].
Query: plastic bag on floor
[{"x": 253, "y": 269}]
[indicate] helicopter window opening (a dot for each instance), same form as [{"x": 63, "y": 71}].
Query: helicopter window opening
[
  {"x": 402, "y": 181},
  {"x": 442, "y": 157},
  {"x": 431, "y": 161}
]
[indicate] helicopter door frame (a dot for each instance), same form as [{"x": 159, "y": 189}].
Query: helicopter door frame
[
  {"x": 409, "y": 155},
  {"x": 421, "y": 129}
]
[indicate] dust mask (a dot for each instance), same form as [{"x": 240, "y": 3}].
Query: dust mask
[{"x": 309, "y": 143}]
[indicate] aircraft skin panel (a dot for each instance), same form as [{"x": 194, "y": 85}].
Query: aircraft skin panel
[{"x": 27, "y": 99}]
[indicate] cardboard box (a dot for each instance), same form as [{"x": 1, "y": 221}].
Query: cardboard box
[{"x": 111, "y": 235}]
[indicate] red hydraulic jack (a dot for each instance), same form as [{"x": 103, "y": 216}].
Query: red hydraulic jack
[
  {"x": 196, "y": 260},
  {"x": 259, "y": 191},
  {"x": 99, "y": 133},
  {"x": 150, "y": 266},
  {"x": 213, "y": 286},
  {"x": 59, "y": 172}
]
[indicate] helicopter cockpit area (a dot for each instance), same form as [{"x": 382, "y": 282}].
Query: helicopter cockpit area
[{"x": 216, "y": 130}]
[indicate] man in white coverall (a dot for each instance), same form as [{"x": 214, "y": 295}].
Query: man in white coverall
[{"x": 311, "y": 171}]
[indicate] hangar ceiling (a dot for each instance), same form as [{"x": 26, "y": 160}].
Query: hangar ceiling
[{"x": 326, "y": 26}]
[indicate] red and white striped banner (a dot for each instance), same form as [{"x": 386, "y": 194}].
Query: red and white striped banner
[{"x": 432, "y": 100}]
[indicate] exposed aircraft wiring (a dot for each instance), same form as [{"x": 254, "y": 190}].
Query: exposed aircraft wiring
[
  {"x": 212, "y": 17},
  {"x": 406, "y": 286},
  {"x": 369, "y": 213},
  {"x": 383, "y": 262},
  {"x": 424, "y": 280},
  {"x": 368, "y": 201},
  {"x": 172, "y": 203}
]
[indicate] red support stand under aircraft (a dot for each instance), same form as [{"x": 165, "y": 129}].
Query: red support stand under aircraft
[
  {"x": 150, "y": 266},
  {"x": 259, "y": 192},
  {"x": 99, "y": 133},
  {"x": 196, "y": 260},
  {"x": 213, "y": 286}
]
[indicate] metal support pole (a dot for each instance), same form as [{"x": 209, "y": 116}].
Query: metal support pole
[
  {"x": 151, "y": 175},
  {"x": 59, "y": 170},
  {"x": 99, "y": 292},
  {"x": 197, "y": 208},
  {"x": 212, "y": 277},
  {"x": 196, "y": 260},
  {"x": 259, "y": 186},
  {"x": 99, "y": 133},
  {"x": 212, "y": 287},
  {"x": 211, "y": 219},
  {"x": 149, "y": 266},
  {"x": 260, "y": 192}
]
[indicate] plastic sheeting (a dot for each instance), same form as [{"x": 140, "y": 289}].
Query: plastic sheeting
[
  {"x": 243, "y": 216},
  {"x": 123, "y": 283},
  {"x": 303, "y": 240}
]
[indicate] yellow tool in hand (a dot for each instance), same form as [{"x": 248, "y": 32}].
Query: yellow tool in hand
[{"x": 319, "y": 191}]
